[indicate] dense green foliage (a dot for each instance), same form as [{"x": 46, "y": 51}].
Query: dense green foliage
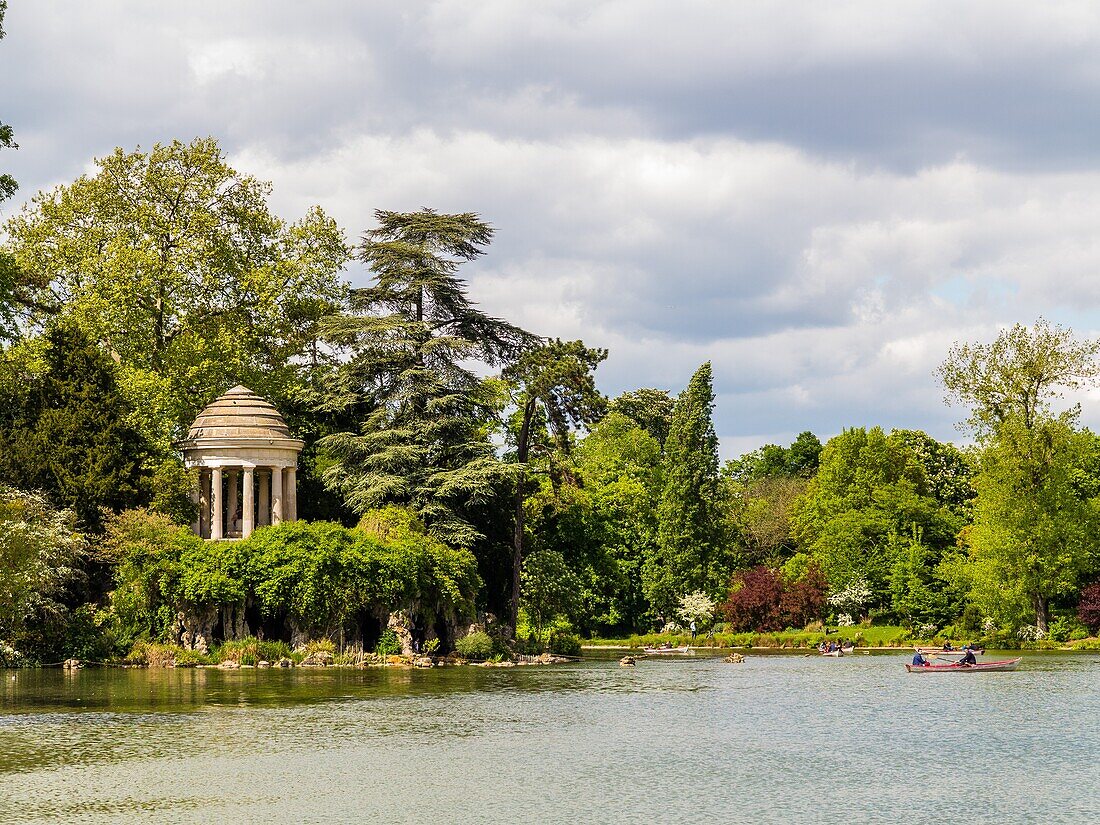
[
  {"x": 172, "y": 260},
  {"x": 552, "y": 387},
  {"x": 689, "y": 537},
  {"x": 477, "y": 646},
  {"x": 314, "y": 577},
  {"x": 65, "y": 427},
  {"x": 422, "y": 441},
  {"x": 40, "y": 556},
  {"x": 491, "y": 479}
]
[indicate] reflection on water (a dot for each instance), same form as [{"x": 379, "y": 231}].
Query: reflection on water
[{"x": 777, "y": 739}]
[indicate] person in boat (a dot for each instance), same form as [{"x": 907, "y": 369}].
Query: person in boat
[
  {"x": 947, "y": 646},
  {"x": 919, "y": 660},
  {"x": 968, "y": 658}
]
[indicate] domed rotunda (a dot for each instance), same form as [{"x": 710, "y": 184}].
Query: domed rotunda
[{"x": 247, "y": 461}]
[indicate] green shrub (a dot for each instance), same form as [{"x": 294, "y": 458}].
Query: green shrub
[
  {"x": 242, "y": 651},
  {"x": 564, "y": 644},
  {"x": 387, "y": 645},
  {"x": 477, "y": 646},
  {"x": 529, "y": 645},
  {"x": 1065, "y": 628},
  {"x": 431, "y": 647},
  {"x": 158, "y": 655},
  {"x": 273, "y": 651},
  {"x": 190, "y": 658}
]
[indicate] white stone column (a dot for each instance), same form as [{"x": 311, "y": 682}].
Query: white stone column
[
  {"x": 234, "y": 500},
  {"x": 291, "y": 494},
  {"x": 265, "y": 500},
  {"x": 204, "y": 504},
  {"x": 276, "y": 495},
  {"x": 249, "y": 506},
  {"x": 216, "y": 531},
  {"x": 196, "y": 499}
]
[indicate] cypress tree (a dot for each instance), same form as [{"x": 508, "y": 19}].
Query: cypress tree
[{"x": 688, "y": 533}]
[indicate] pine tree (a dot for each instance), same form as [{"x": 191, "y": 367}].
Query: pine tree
[
  {"x": 688, "y": 533},
  {"x": 424, "y": 435}
]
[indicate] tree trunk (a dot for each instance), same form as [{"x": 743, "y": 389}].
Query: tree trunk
[
  {"x": 1042, "y": 613},
  {"x": 517, "y": 536}
]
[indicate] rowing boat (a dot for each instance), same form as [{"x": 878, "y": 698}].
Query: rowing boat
[
  {"x": 955, "y": 651},
  {"x": 1007, "y": 664},
  {"x": 656, "y": 651}
]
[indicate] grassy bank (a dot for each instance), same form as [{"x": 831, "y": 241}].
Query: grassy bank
[{"x": 875, "y": 636}]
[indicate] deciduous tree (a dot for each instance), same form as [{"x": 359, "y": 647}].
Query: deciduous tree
[
  {"x": 1019, "y": 374},
  {"x": 173, "y": 261},
  {"x": 1035, "y": 519},
  {"x": 552, "y": 384},
  {"x": 40, "y": 555}
]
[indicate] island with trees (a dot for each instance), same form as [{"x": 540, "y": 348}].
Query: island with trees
[{"x": 464, "y": 487}]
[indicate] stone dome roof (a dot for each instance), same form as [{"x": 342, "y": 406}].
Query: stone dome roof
[{"x": 240, "y": 416}]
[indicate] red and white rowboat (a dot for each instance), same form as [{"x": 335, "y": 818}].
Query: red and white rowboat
[{"x": 1007, "y": 664}]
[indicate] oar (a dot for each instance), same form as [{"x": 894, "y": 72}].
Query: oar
[{"x": 959, "y": 654}]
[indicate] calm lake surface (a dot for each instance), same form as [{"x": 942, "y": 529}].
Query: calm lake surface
[{"x": 780, "y": 738}]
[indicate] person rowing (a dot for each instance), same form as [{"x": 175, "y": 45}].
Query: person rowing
[
  {"x": 968, "y": 658},
  {"x": 947, "y": 648},
  {"x": 919, "y": 660}
]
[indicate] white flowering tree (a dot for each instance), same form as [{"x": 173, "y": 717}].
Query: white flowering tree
[
  {"x": 696, "y": 607},
  {"x": 852, "y": 598},
  {"x": 40, "y": 551}
]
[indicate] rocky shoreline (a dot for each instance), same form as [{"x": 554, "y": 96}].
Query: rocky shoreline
[{"x": 325, "y": 660}]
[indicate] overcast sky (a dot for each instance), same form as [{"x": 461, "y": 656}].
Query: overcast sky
[{"x": 818, "y": 197}]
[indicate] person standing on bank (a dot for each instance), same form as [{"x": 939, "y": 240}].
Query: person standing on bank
[{"x": 693, "y": 630}]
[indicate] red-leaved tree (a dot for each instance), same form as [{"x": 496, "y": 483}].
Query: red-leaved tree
[
  {"x": 761, "y": 599},
  {"x": 803, "y": 601},
  {"x": 1088, "y": 609}
]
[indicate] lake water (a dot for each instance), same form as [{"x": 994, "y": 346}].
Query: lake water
[{"x": 780, "y": 738}]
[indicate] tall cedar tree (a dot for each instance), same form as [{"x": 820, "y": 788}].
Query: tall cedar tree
[
  {"x": 556, "y": 381},
  {"x": 65, "y": 431},
  {"x": 424, "y": 440},
  {"x": 688, "y": 532}
]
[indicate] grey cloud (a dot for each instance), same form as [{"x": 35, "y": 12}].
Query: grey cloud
[{"x": 818, "y": 197}]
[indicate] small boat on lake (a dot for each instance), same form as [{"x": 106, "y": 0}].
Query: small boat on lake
[
  {"x": 657, "y": 651},
  {"x": 954, "y": 651},
  {"x": 955, "y": 667},
  {"x": 840, "y": 651}
]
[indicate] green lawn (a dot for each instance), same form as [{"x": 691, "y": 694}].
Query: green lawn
[{"x": 863, "y": 636}]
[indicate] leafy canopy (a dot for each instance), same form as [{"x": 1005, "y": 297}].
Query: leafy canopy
[
  {"x": 173, "y": 260},
  {"x": 1019, "y": 374}
]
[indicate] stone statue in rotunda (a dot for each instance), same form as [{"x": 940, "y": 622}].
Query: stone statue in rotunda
[{"x": 247, "y": 461}]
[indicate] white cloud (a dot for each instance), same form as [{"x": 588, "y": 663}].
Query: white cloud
[{"x": 819, "y": 198}]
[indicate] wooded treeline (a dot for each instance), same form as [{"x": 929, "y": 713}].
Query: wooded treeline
[{"x": 135, "y": 295}]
